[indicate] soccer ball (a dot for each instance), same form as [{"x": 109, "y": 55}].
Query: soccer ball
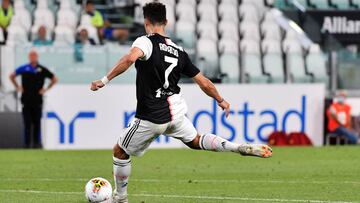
[{"x": 98, "y": 190}]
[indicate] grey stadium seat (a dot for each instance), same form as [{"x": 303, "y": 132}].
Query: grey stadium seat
[
  {"x": 185, "y": 31},
  {"x": 230, "y": 68},
  {"x": 207, "y": 57},
  {"x": 251, "y": 65},
  {"x": 296, "y": 66},
  {"x": 273, "y": 65},
  {"x": 316, "y": 64}
]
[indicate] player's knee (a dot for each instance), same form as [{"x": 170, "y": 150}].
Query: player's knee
[
  {"x": 194, "y": 144},
  {"x": 120, "y": 153}
]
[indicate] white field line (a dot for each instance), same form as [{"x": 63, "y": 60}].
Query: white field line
[
  {"x": 184, "y": 197},
  {"x": 186, "y": 181}
]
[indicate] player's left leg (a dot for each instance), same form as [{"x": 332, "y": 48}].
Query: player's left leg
[
  {"x": 133, "y": 141},
  {"x": 121, "y": 172}
]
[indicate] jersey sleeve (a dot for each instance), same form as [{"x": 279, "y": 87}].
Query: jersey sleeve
[
  {"x": 47, "y": 73},
  {"x": 20, "y": 70},
  {"x": 145, "y": 45},
  {"x": 189, "y": 69}
]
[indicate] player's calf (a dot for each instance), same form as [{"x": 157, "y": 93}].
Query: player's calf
[
  {"x": 121, "y": 171},
  {"x": 215, "y": 143}
]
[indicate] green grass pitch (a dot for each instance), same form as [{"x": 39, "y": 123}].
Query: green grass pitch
[{"x": 326, "y": 174}]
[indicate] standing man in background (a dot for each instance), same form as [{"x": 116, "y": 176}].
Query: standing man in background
[
  {"x": 33, "y": 77},
  {"x": 6, "y": 12},
  {"x": 339, "y": 115}
]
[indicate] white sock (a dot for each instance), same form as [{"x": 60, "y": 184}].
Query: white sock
[
  {"x": 122, "y": 171},
  {"x": 215, "y": 143}
]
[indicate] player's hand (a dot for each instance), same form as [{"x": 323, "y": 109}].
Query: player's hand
[
  {"x": 97, "y": 84},
  {"x": 42, "y": 91},
  {"x": 19, "y": 89},
  {"x": 224, "y": 105}
]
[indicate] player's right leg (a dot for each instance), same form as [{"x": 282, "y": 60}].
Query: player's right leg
[
  {"x": 184, "y": 130},
  {"x": 215, "y": 143}
]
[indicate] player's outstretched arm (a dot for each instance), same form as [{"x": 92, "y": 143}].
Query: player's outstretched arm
[
  {"x": 209, "y": 88},
  {"x": 121, "y": 66}
]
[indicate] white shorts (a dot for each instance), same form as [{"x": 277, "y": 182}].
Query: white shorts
[{"x": 136, "y": 138}]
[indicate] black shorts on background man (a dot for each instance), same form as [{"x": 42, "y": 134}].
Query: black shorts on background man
[{"x": 33, "y": 77}]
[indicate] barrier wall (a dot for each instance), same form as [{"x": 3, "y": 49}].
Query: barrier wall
[{"x": 76, "y": 118}]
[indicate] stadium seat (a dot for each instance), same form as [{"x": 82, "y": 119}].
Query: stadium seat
[
  {"x": 271, "y": 46},
  {"x": 231, "y": 2},
  {"x": 213, "y": 2},
  {"x": 73, "y": 5},
  {"x": 273, "y": 65},
  {"x": 258, "y": 3},
  {"x": 185, "y": 31},
  {"x": 291, "y": 34},
  {"x": 85, "y": 23},
  {"x": 43, "y": 16},
  {"x": 67, "y": 15},
  {"x": 169, "y": 2},
  {"x": 356, "y": 3},
  {"x": 250, "y": 30},
  {"x": 16, "y": 34},
  {"x": 186, "y": 12},
  {"x": 171, "y": 19},
  {"x": 28, "y": 5},
  {"x": 296, "y": 66},
  {"x": 341, "y": 4},
  {"x": 207, "y": 57},
  {"x": 2, "y": 37},
  {"x": 207, "y": 30},
  {"x": 316, "y": 64},
  {"x": 269, "y": 17},
  {"x": 249, "y": 12},
  {"x": 319, "y": 4},
  {"x": 229, "y": 30},
  {"x": 207, "y": 12},
  {"x": 228, "y": 46},
  {"x": 291, "y": 46},
  {"x": 271, "y": 30},
  {"x": 23, "y": 15},
  {"x": 230, "y": 68},
  {"x": 190, "y": 2},
  {"x": 249, "y": 46},
  {"x": 251, "y": 64},
  {"x": 64, "y": 36},
  {"x": 228, "y": 12}
]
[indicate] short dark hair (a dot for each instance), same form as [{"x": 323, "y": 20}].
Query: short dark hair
[
  {"x": 89, "y": 2},
  {"x": 155, "y": 12}
]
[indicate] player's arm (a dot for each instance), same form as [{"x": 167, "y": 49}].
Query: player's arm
[
  {"x": 209, "y": 88},
  {"x": 14, "y": 82},
  {"x": 121, "y": 66}
]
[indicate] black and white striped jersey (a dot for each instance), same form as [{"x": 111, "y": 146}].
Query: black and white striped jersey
[{"x": 158, "y": 73}]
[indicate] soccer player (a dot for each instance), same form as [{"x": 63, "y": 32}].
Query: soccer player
[{"x": 160, "y": 108}]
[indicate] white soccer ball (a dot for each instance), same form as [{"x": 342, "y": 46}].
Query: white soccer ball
[{"x": 98, "y": 190}]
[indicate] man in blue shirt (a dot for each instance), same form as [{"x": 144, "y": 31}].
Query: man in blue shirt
[{"x": 33, "y": 77}]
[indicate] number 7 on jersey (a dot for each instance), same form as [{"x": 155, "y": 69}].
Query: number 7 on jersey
[{"x": 173, "y": 63}]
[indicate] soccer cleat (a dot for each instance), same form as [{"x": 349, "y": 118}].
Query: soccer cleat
[
  {"x": 259, "y": 150},
  {"x": 119, "y": 198}
]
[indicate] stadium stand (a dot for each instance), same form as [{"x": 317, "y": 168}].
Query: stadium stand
[{"x": 236, "y": 41}]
